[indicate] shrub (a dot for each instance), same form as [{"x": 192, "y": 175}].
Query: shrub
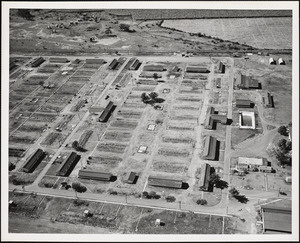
[
  {"x": 78, "y": 202},
  {"x": 113, "y": 193},
  {"x": 282, "y": 130},
  {"x": 201, "y": 202},
  {"x": 78, "y": 187},
  {"x": 170, "y": 199},
  {"x": 156, "y": 196},
  {"x": 48, "y": 184},
  {"x": 152, "y": 194},
  {"x": 145, "y": 194}
]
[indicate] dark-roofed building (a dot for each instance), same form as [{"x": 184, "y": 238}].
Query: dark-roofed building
[
  {"x": 58, "y": 59},
  {"x": 68, "y": 165},
  {"x": 212, "y": 118},
  {"x": 268, "y": 100},
  {"x": 107, "y": 112},
  {"x": 33, "y": 161},
  {"x": 94, "y": 175},
  {"x": 135, "y": 65},
  {"x": 221, "y": 67},
  {"x": 241, "y": 103},
  {"x": 210, "y": 148},
  {"x": 246, "y": 82},
  {"x": 95, "y": 61},
  {"x": 37, "y": 62},
  {"x": 277, "y": 217},
  {"x": 195, "y": 69},
  {"x": 113, "y": 64},
  {"x": 164, "y": 182},
  {"x": 77, "y": 61},
  {"x": 130, "y": 177},
  {"x": 204, "y": 177},
  {"x": 154, "y": 68}
]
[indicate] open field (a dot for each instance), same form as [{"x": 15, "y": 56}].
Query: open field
[
  {"x": 58, "y": 215},
  {"x": 260, "y": 32}
]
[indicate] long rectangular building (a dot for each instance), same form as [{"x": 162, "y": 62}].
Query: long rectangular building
[
  {"x": 33, "y": 161},
  {"x": 107, "y": 112},
  {"x": 68, "y": 165},
  {"x": 37, "y": 62},
  {"x": 163, "y": 182},
  {"x": 241, "y": 103},
  {"x": 204, "y": 177},
  {"x": 58, "y": 59},
  {"x": 195, "y": 69},
  {"x": 94, "y": 175},
  {"x": 95, "y": 61},
  {"x": 135, "y": 65},
  {"x": 277, "y": 217},
  {"x": 113, "y": 64},
  {"x": 221, "y": 67},
  {"x": 210, "y": 148},
  {"x": 154, "y": 68},
  {"x": 268, "y": 100}
]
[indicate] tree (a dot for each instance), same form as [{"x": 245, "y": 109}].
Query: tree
[
  {"x": 234, "y": 192},
  {"x": 155, "y": 75},
  {"x": 75, "y": 144},
  {"x": 283, "y": 131},
  {"x": 242, "y": 198},
  {"x": 145, "y": 194},
  {"x": 78, "y": 187},
  {"x": 214, "y": 178},
  {"x": 153, "y": 95},
  {"x": 170, "y": 199},
  {"x": 221, "y": 184}
]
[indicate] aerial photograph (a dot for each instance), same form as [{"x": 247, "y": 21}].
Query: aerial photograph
[{"x": 135, "y": 121}]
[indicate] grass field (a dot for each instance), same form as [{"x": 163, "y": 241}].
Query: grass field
[{"x": 260, "y": 32}]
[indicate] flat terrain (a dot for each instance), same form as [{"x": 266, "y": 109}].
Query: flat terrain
[
  {"x": 271, "y": 33},
  {"x": 59, "y": 102}
]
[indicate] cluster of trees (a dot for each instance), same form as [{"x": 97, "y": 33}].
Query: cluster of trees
[
  {"x": 151, "y": 195},
  {"x": 201, "y": 202},
  {"x": 216, "y": 181},
  {"x": 151, "y": 98},
  {"x": 282, "y": 130},
  {"x": 236, "y": 194},
  {"x": 282, "y": 153},
  {"x": 78, "y": 187}
]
